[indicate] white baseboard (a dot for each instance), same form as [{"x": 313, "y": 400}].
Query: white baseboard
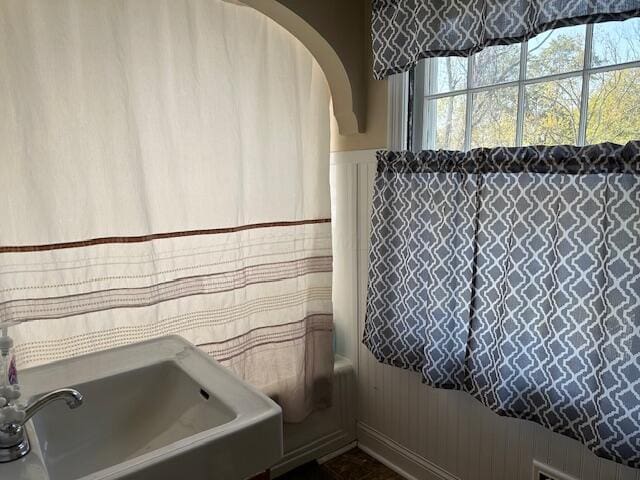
[
  {"x": 326, "y": 434},
  {"x": 398, "y": 458},
  {"x": 326, "y": 431},
  {"x": 338, "y": 452},
  {"x": 322, "y": 447}
]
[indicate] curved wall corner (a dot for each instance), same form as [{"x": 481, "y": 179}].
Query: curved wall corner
[{"x": 333, "y": 31}]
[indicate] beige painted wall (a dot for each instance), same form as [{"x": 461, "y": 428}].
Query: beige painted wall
[
  {"x": 345, "y": 25},
  {"x": 375, "y": 134},
  {"x": 375, "y": 129}
]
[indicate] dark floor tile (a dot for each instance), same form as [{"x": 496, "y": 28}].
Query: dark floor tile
[
  {"x": 309, "y": 471},
  {"x": 357, "y": 465},
  {"x": 352, "y": 465}
]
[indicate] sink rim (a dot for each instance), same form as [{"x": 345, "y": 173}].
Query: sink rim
[{"x": 249, "y": 405}]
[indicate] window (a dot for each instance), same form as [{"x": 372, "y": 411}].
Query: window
[{"x": 573, "y": 85}]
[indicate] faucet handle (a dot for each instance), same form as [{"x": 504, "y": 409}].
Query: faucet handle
[
  {"x": 9, "y": 411},
  {"x": 10, "y": 392},
  {"x": 11, "y": 414}
]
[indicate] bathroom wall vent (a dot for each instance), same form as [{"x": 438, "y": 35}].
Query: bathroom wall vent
[{"x": 545, "y": 472}]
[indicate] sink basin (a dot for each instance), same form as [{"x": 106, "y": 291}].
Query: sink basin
[
  {"x": 153, "y": 407},
  {"x": 155, "y": 410}
]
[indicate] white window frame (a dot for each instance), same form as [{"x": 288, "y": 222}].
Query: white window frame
[{"x": 398, "y": 111}]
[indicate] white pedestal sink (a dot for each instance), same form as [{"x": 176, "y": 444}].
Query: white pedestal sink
[{"x": 154, "y": 410}]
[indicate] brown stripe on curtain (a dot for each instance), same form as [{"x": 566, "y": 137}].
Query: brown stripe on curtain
[{"x": 155, "y": 236}]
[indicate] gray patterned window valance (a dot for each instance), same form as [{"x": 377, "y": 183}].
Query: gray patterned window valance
[
  {"x": 514, "y": 274},
  {"x": 406, "y": 31}
]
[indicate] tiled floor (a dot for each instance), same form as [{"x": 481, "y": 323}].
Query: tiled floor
[{"x": 353, "y": 465}]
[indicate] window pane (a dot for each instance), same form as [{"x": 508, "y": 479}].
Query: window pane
[
  {"x": 614, "y": 106},
  {"x": 556, "y": 51},
  {"x": 497, "y": 64},
  {"x": 494, "y": 118},
  {"x": 552, "y": 112},
  {"x": 616, "y": 42},
  {"x": 449, "y": 118},
  {"x": 450, "y": 73}
]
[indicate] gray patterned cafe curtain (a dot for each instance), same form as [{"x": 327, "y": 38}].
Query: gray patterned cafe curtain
[
  {"x": 514, "y": 274},
  {"x": 405, "y": 31}
]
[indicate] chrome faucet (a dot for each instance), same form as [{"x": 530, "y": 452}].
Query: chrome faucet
[{"x": 14, "y": 443}]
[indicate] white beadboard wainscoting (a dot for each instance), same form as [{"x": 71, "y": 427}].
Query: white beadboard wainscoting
[{"x": 422, "y": 432}]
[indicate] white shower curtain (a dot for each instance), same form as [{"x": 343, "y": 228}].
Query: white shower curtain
[{"x": 164, "y": 170}]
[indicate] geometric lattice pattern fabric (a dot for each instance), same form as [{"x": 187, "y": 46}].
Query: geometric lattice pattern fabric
[
  {"x": 406, "y": 31},
  {"x": 514, "y": 274}
]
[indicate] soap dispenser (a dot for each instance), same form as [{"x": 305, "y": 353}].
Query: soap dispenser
[
  {"x": 9, "y": 388},
  {"x": 8, "y": 359}
]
